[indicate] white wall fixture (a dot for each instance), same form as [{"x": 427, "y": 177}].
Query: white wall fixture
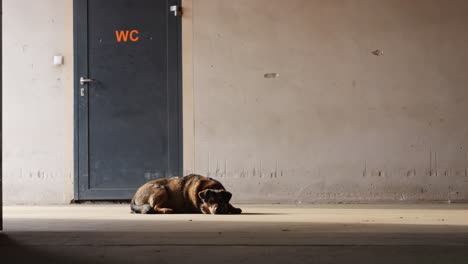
[{"x": 58, "y": 60}]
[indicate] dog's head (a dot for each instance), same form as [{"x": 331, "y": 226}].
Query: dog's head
[{"x": 215, "y": 201}]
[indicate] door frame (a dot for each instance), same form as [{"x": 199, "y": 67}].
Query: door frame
[{"x": 80, "y": 108}]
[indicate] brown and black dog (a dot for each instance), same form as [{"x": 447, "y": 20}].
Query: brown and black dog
[{"x": 190, "y": 194}]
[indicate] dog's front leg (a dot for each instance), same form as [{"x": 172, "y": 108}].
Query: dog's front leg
[
  {"x": 204, "y": 209},
  {"x": 234, "y": 210}
]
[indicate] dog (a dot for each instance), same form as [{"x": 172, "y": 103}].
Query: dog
[{"x": 190, "y": 194}]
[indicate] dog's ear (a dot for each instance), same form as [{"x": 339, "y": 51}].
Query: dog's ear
[
  {"x": 226, "y": 196},
  {"x": 204, "y": 194}
]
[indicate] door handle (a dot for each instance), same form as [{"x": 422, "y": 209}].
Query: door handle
[
  {"x": 176, "y": 10},
  {"x": 83, "y": 80}
]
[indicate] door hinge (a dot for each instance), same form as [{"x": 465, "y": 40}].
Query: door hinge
[{"x": 176, "y": 10}]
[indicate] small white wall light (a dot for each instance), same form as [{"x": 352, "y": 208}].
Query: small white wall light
[{"x": 58, "y": 60}]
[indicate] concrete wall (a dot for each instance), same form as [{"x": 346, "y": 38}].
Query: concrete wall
[
  {"x": 338, "y": 123},
  {"x": 37, "y": 102}
]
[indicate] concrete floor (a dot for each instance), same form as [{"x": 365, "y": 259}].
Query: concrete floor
[{"x": 263, "y": 234}]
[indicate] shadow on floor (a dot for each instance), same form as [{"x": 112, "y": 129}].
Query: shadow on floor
[
  {"x": 148, "y": 247},
  {"x": 13, "y": 252},
  {"x": 263, "y": 214}
]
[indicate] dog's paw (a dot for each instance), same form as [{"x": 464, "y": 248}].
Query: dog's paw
[
  {"x": 204, "y": 209},
  {"x": 236, "y": 211},
  {"x": 166, "y": 211}
]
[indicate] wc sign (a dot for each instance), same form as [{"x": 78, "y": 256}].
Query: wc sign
[{"x": 127, "y": 35}]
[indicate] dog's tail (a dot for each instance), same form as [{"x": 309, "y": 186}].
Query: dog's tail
[{"x": 141, "y": 209}]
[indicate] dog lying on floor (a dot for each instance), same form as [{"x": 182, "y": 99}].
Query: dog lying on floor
[{"x": 190, "y": 194}]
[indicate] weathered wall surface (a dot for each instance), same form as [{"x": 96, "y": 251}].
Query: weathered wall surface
[
  {"x": 338, "y": 123},
  {"x": 36, "y": 102}
]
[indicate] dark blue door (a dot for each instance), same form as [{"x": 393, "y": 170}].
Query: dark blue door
[{"x": 128, "y": 100}]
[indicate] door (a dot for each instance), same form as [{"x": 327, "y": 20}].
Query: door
[{"x": 127, "y": 77}]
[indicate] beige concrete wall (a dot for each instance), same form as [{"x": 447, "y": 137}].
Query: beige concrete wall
[
  {"x": 338, "y": 123},
  {"x": 187, "y": 88},
  {"x": 37, "y": 102}
]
